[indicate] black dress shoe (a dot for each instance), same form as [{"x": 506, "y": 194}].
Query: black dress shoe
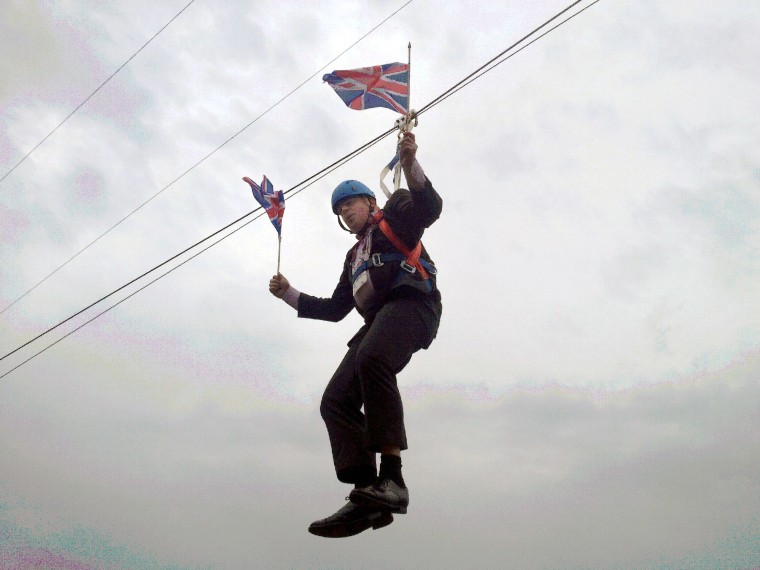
[
  {"x": 351, "y": 519},
  {"x": 386, "y": 495}
]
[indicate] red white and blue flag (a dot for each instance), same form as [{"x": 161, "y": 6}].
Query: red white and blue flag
[
  {"x": 378, "y": 86},
  {"x": 273, "y": 202}
]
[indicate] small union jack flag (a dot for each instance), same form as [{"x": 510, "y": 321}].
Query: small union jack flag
[
  {"x": 273, "y": 202},
  {"x": 378, "y": 86}
]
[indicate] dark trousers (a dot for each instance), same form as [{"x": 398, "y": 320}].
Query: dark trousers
[{"x": 367, "y": 377}]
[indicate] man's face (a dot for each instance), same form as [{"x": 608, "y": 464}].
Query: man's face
[{"x": 354, "y": 211}]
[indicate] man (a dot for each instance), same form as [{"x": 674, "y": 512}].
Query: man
[{"x": 389, "y": 278}]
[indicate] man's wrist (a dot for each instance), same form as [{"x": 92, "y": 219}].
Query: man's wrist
[
  {"x": 415, "y": 176},
  {"x": 291, "y": 297}
]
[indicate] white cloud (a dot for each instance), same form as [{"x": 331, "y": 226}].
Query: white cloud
[{"x": 590, "y": 400}]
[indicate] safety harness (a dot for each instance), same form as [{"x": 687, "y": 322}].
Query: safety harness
[{"x": 410, "y": 259}]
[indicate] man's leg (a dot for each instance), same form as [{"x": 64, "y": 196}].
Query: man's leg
[
  {"x": 354, "y": 463},
  {"x": 346, "y": 425},
  {"x": 398, "y": 331}
]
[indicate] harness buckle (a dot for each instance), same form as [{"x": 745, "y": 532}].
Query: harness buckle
[
  {"x": 408, "y": 268},
  {"x": 377, "y": 261}
]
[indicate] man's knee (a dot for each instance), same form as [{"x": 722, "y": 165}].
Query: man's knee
[
  {"x": 337, "y": 403},
  {"x": 327, "y": 406},
  {"x": 373, "y": 359},
  {"x": 369, "y": 360}
]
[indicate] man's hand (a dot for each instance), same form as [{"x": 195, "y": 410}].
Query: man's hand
[
  {"x": 415, "y": 177},
  {"x": 408, "y": 151},
  {"x": 278, "y": 285}
]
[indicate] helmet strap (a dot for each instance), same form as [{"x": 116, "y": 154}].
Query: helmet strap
[
  {"x": 340, "y": 223},
  {"x": 372, "y": 209}
]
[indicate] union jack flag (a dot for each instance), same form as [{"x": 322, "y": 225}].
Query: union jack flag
[
  {"x": 273, "y": 202},
  {"x": 378, "y": 86}
]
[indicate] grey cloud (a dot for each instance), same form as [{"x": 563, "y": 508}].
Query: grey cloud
[
  {"x": 541, "y": 478},
  {"x": 610, "y": 248}
]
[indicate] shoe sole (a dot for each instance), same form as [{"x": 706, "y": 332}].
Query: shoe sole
[{"x": 342, "y": 530}]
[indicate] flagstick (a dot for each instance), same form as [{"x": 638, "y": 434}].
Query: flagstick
[
  {"x": 409, "y": 86},
  {"x": 279, "y": 247},
  {"x": 408, "y": 122}
]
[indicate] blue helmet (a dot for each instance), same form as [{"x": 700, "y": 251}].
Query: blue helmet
[{"x": 347, "y": 189}]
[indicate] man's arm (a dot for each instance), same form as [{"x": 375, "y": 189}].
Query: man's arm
[
  {"x": 415, "y": 177},
  {"x": 332, "y": 308},
  {"x": 410, "y": 213}
]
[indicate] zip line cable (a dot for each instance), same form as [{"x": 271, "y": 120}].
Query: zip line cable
[
  {"x": 96, "y": 90},
  {"x": 51, "y": 345},
  {"x": 314, "y": 178},
  {"x": 451, "y": 90},
  {"x": 310, "y": 180},
  {"x": 305, "y": 183},
  {"x": 480, "y": 72},
  {"x": 77, "y": 254}
]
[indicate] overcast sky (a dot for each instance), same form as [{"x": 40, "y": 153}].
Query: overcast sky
[{"x": 592, "y": 399}]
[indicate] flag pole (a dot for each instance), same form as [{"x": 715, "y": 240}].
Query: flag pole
[
  {"x": 279, "y": 248},
  {"x": 409, "y": 86},
  {"x": 407, "y": 122}
]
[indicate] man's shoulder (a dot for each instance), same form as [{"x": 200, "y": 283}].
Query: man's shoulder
[
  {"x": 398, "y": 200},
  {"x": 400, "y": 195}
]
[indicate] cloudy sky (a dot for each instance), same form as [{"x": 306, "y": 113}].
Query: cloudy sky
[{"x": 592, "y": 399}]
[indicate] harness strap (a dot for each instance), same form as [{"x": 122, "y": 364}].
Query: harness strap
[
  {"x": 378, "y": 259},
  {"x": 412, "y": 261}
]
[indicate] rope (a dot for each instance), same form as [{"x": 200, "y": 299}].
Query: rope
[
  {"x": 209, "y": 155},
  {"x": 305, "y": 184}
]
